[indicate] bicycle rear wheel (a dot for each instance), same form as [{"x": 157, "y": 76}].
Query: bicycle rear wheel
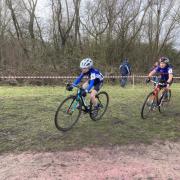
[
  {"x": 103, "y": 102},
  {"x": 68, "y": 113},
  {"x": 165, "y": 100},
  {"x": 150, "y": 105}
]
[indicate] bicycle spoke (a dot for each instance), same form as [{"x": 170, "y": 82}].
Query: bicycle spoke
[
  {"x": 67, "y": 114},
  {"x": 96, "y": 113},
  {"x": 149, "y": 106},
  {"x": 165, "y": 100}
]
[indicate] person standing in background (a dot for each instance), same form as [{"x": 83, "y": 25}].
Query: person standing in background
[{"x": 125, "y": 71}]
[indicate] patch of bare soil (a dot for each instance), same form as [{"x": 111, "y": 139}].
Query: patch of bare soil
[{"x": 157, "y": 161}]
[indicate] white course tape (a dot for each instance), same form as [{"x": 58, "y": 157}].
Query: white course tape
[{"x": 71, "y": 77}]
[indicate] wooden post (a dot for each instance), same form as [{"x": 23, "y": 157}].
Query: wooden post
[{"x": 133, "y": 81}]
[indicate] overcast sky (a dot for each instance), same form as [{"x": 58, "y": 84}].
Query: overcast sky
[{"x": 43, "y": 8}]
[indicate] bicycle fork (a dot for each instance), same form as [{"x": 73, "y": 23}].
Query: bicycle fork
[{"x": 73, "y": 106}]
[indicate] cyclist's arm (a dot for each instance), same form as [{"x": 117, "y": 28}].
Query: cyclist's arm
[
  {"x": 91, "y": 84},
  {"x": 152, "y": 73},
  {"x": 170, "y": 76},
  {"x": 78, "y": 80}
]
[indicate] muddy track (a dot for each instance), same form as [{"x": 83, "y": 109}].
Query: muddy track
[{"x": 157, "y": 161}]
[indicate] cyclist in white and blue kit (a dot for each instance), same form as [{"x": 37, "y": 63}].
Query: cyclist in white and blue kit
[
  {"x": 95, "y": 79},
  {"x": 164, "y": 70}
]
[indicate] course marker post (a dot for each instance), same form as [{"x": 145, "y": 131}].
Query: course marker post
[{"x": 133, "y": 80}]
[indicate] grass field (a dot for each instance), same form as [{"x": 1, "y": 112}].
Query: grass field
[{"x": 27, "y": 120}]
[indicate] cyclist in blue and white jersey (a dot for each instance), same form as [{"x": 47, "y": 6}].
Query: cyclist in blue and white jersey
[
  {"x": 95, "y": 79},
  {"x": 164, "y": 70}
]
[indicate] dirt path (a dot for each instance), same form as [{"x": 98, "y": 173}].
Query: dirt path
[{"x": 158, "y": 161}]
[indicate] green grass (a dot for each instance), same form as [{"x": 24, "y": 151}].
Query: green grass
[{"x": 27, "y": 120}]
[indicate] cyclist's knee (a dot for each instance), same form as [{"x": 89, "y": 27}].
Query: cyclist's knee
[
  {"x": 93, "y": 94},
  {"x": 85, "y": 85}
]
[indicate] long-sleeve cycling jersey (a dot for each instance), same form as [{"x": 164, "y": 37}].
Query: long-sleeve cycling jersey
[
  {"x": 164, "y": 72},
  {"x": 94, "y": 77}
]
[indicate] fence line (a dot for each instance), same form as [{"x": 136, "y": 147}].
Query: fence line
[{"x": 72, "y": 77}]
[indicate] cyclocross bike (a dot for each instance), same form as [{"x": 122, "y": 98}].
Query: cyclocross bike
[
  {"x": 159, "y": 99},
  {"x": 69, "y": 111}
]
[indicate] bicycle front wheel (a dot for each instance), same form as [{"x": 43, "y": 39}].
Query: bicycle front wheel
[
  {"x": 150, "y": 105},
  {"x": 103, "y": 102},
  {"x": 164, "y": 100},
  {"x": 68, "y": 113}
]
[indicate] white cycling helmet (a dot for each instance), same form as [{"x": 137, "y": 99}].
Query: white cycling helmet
[
  {"x": 86, "y": 63},
  {"x": 164, "y": 60}
]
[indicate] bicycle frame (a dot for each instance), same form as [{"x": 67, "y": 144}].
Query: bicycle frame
[
  {"x": 80, "y": 98},
  {"x": 158, "y": 88},
  {"x": 153, "y": 101}
]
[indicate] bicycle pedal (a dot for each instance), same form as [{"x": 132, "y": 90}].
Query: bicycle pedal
[
  {"x": 85, "y": 111},
  {"x": 100, "y": 106},
  {"x": 154, "y": 107},
  {"x": 95, "y": 112}
]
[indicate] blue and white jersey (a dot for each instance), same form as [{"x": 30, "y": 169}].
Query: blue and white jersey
[
  {"x": 164, "y": 72},
  {"x": 94, "y": 76}
]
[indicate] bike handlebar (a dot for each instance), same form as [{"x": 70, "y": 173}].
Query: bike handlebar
[
  {"x": 162, "y": 84},
  {"x": 76, "y": 86}
]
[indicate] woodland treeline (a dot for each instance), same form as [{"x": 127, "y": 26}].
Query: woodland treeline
[{"x": 105, "y": 30}]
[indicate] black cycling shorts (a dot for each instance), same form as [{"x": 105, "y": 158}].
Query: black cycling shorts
[
  {"x": 98, "y": 85},
  {"x": 162, "y": 81}
]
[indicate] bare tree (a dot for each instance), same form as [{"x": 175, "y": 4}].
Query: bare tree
[
  {"x": 77, "y": 21},
  {"x": 161, "y": 22},
  {"x": 11, "y": 6},
  {"x": 14, "y": 18},
  {"x": 4, "y": 19},
  {"x": 107, "y": 30},
  {"x": 130, "y": 22},
  {"x": 4, "y": 22},
  {"x": 64, "y": 28},
  {"x": 95, "y": 23},
  {"x": 30, "y": 6}
]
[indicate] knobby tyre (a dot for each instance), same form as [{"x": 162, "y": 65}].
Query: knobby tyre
[
  {"x": 68, "y": 113},
  {"x": 103, "y": 102},
  {"x": 149, "y": 105},
  {"x": 165, "y": 100}
]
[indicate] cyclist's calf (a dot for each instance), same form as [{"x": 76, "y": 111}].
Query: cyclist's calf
[{"x": 93, "y": 97}]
